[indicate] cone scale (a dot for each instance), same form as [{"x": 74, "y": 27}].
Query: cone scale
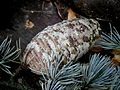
[{"x": 71, "y": 38}]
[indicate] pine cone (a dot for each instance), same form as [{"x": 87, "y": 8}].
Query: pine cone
[{"x": 72, "y": 39}]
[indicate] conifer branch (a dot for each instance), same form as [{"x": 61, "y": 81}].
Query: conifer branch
[
  {"x": 100, "y": 72},
  {"x": 62, "y": 77},
  {"x": 8, "y": 54},
  {"x": 110, "y": 41}
]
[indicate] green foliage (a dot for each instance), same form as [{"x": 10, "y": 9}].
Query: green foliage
[
  {"x": 116, "y": 82},
  {"x": 110, "y": 41},
  {"x": 99, "y": 74},
  {"x": 8, "y": 54},
  {"x": 61, "y": 77}
]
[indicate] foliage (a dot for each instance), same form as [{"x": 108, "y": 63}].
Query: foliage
[
  {"x": 98, "y": 74},
  {"x": 60, "y": 77},
  {"x": 8, "y": 54},
  {"x": 110, "y": 41},
  {"x": 116, "y": 82}
]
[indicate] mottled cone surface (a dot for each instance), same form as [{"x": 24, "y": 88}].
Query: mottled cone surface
[{"x": 70, "y": 38}]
